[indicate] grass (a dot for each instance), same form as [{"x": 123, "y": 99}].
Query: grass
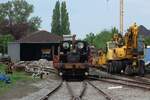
[{"x": 15, "y": 77}]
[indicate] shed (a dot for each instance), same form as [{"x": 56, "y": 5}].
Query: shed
[{"x": 38, "y": 45}]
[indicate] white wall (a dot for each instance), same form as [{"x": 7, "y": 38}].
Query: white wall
[{"x": 14, "y": 51}]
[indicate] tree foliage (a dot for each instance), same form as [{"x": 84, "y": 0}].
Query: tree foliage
[
  {"x": 34, "y": 23},
  {"x": 60, "y": 19},
  {"x": 56, "y": 19},
  {"x": 65, "y": 25},
  {"x": 4, "y": 39},
  {"x": 14, "y": 18},
  {"x": 147, "y": 40},
  {"x": 90, "y": 38},
  {"x": 99, "y": 40}
]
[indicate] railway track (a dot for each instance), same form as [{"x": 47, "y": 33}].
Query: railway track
[
  {"x": 82, "y": 92},
  {"x": 71, "y": 92},
  {"x": 143, "y": 79},
  {"x": 135, "y": 84},
  {"x": 122, "y": 79},
  {"x": 71, "y": 89},
  {"x": 107, "y": 97},
  {"x": 131, "y": 80},
  {"x": 53, "y": 91}
]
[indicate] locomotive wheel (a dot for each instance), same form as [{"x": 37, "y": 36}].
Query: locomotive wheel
[
  {"x": 107, "y": 68},
  {"x": 124, "y": 65},
  {"x": 129, "y": 70},
  {"x": 119, "y": 67},
  {"x": 110, "y": 68},
  {"x": 114, "y": 65},
  {"x": 141, "y": 70},
  {"x": 127, "y": 67}
]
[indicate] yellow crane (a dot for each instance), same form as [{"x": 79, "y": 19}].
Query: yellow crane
[{"x": 124, "y": 53}]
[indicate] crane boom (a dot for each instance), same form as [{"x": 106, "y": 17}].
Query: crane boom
[{"x": 121, "y": 16}]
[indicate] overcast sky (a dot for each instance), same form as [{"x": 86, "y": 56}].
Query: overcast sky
[{"x": 94, "y": 15}]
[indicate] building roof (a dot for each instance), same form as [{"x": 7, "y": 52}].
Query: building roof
[{"x": 41, "y": 37}]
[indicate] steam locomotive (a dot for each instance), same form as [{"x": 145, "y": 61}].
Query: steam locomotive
[{"x": 73, "y": 59}]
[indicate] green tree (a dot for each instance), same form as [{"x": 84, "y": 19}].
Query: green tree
[
  {"x": 114, "y": 30},
  {"x": 60, "y": 19},
  {"x": 90, "y": 38},
  {"x": 56, "y": 28},
  {"x": 65, "y": 25},
  {"x": 4, "y": 39},
  {"x": 102, "y": 38},
  {"x": 99, "y": 40},
  {"x": 15, "y": 18},
  {"x": 147, "y": 40},
  {"x": 34, "y": 23}
]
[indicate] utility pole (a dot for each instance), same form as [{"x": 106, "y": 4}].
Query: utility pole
[{"x": 121, "y": 16}]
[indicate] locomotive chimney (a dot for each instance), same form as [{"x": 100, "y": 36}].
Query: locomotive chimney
[{"x": 73, "y": 41}]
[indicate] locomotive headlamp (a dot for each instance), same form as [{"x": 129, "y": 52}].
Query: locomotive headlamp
[
  {"x": 86, "y": 73},
  {"x": 80, "y": 45},
  {"x": 65, "y": 45},
  {"x": 60, "y": 73}
]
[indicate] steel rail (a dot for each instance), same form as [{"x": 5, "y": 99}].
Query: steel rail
[
  {"x": 73, "y": 97},
  {"x": 52, "y": 92},
  {"x": 101, "y": 91},
  {"x": 130, "y": 80},
  {"x": 70, "y": 90},
  {"x": 137, "y": 79},
  {"x": 136, "y": 85},
  {"x": 83, "y": 90}
]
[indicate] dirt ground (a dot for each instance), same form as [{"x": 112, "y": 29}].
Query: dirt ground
[
  {"x": 22, "y": 88},
  {"x": 120, "y": 93},
  {"x": 123, "y": 92},
  {"x": 31, "y": 90}
]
